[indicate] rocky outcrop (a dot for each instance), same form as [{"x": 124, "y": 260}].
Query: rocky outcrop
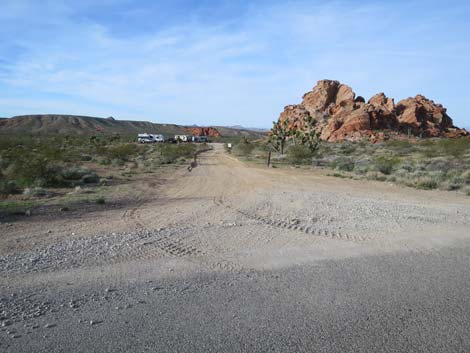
[
  {"x": 204, "y": 131},
  {"x": 341, "y": 116},
  {"x": 421, "y": 114}
]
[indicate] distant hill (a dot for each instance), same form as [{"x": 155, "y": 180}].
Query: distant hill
[
  {"x": 256, "y": 129},
  {"x": 85, "y": 125},
  {"x": 235, "y": 131}
]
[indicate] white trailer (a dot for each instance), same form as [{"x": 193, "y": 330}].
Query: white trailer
[
  {"x": 150, "y": 138},
  {"x": 183, "y": 138}
]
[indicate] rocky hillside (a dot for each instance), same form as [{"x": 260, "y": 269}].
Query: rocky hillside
[
  {"x": 204, "y": 131},
  {"x": 341, "y": 115},
  {"x": 85, "y": 125}
]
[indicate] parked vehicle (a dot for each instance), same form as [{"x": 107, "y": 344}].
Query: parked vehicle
[
  {"x": 150, "y": 138},
  {"x": 159, "y": 138},
  {"x": 183, "y": 138},
  {"x": 200, "y": 139}
]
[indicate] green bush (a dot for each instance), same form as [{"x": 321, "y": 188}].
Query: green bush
[
  {"x": 385, "y": 165},
  {"x": 75, "y": 173},
  {"x": 170, "y": 153},
  {"x": 244, "y": 148},
  {"x": 454, "y": 147},
  {"x": 8, "y": 188},
  {"x": 91, "y": 178},
  {"x": 466, "y": 177},
  {"x": 343, "y": 163},
  {"x": 34, "y": 171},
  {"x": 300, "y": 154},
  {"x": 347, "y": 148},
  {"x": 427, "y": 183},
  {"x": 123, "y": 152},
  {"x": 100, "y": 200}
]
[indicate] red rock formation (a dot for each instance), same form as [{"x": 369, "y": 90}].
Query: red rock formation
[
  {"x": 342, "y": 116},
  {"x": 204, "y": 131}
]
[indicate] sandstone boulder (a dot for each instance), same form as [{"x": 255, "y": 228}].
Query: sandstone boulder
[
  {"x": 204, "y": 131},
  {"x": 423, "y": 116},
  {"x": 342, "y": 116}
]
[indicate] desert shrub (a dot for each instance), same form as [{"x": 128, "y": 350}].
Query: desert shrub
[
  {"x": 100, "y": 200},
  {"x": 123, "y": 152},
  {"x": 427, "y": 183},
  {"x": 385, "y": 165},
  {"x": 103, "y": 161},
  {"x": 8, "y": 188},
  {"x": 33, "y": 170},
  {"x": 362, "y": 166},
  {"x": 299, "y": 154},
  {"x": 454, "y": 147},
  {"x": 449, "y": 186},
  {"x": 439, "y": 164},
  {"x": 466, "y": 177},
  {"x": 347, "y": 148},
  {"x": 244, "y": 148},
  {"x": 453, "y": 181},
  {"x": 117, "y": 162},
  {"x": 401, "y": 146},
  {"x": 170, "y": 153},
  {"x": 90, "y": 178},
  {"x": 36, "y": 192},
  {"x": 343, "y": 163},
  {"x": 74, "y": 173},
  {"x": 408, "y": 167},
  {"x": 85, "y": 158},
  {"x": 429, "y": 148}
]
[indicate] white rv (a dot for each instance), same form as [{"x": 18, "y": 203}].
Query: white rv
[{"x": 150, "y": 138}]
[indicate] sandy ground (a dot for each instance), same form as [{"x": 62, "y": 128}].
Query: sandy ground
[{"x": 238, "y": 258}]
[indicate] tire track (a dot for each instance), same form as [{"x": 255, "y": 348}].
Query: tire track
[{"x": 312, "y": 230}]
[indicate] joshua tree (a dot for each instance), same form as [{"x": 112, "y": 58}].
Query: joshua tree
[
  {"x": 279, "y": 134},
  {"x": 308, "y": 136}
]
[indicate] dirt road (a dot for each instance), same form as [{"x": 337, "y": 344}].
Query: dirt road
[{"x": 237, "y": 258}]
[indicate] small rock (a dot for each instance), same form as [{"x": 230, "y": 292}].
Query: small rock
[{"x": 6, "y": 323}]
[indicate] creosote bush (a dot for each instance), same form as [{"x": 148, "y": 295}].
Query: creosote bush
[
  {"x": 385, "y": 165},
  {"x": 299, "y": 154},
  {"x": 244, "y": 148}
]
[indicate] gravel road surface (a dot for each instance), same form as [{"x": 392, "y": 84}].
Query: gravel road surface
[{"x": 232, "y": 257}]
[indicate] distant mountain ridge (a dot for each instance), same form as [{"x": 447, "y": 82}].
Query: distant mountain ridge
[{"x": 45, "y": 124}]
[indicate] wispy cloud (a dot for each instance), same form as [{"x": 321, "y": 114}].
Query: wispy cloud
[{"x": 235, "y": 70}]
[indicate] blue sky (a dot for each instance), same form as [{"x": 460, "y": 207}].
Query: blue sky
[{"x": 226, "y": 62}]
